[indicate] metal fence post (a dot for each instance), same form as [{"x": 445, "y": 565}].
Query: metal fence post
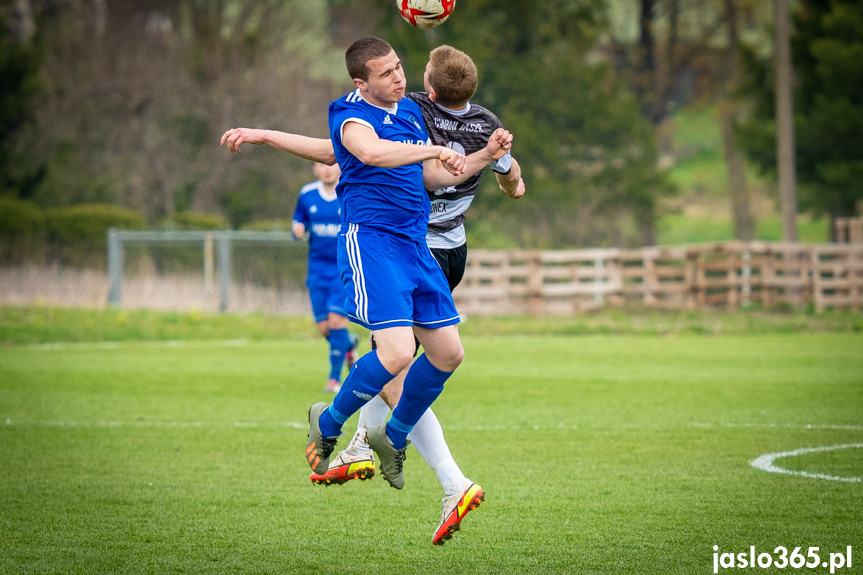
[
  {"x": 208, "y": 271},
  {"x": 224, "y": 244},
  {"x": 115, "y": 267}
]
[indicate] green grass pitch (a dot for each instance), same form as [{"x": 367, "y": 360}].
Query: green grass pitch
[{"x": 599, "y": 454}]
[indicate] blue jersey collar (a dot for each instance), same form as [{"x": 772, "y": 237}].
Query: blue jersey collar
[{"x": 394, "y": 110}]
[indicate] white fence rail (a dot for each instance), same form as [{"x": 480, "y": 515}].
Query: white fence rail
[
  {"x": 265, "y": 272},
  {"x": 727, "y": 275}
]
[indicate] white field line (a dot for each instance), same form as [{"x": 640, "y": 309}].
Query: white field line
[
  {"x": 813, "y": 426},
  {"x": 8, "y": 421},
  {"x": 765, "y": 462},
  {"x": 110, "y": 345}
]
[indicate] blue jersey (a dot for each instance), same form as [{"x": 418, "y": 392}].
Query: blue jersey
[
  {"x": 392, "y": 200},
  {"x": 321, "y": 217}
]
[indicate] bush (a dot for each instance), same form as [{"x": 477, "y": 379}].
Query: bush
[
  {"x": 196, "y": 221},
  {"x": 78, "y": 234},
  {"x": 268, "y": 226},
  {"x": 22, "y": 231}
]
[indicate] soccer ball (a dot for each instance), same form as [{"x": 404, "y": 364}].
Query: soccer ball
[{"x": 425, "y": 13}]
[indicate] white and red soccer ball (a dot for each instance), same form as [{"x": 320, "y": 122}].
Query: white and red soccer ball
[{"x": 425, "y": 13}]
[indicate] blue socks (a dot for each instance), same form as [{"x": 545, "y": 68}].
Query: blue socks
[
  {"x": 340, "y": 345},
  {"x": 365, "y": 381},
  {"x": 423, "y": 384}
]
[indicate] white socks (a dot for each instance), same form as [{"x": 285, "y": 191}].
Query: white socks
[
  {"x": 451, "y": 477},
  {"x": 427, "y": 437},
  {"x": 372, "y": 414}
]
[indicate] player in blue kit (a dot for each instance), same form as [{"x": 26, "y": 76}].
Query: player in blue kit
[
  {"x": 318, "y": 217},
  {"x": 450, "y": 81},
  {"x": 394, "y": 286}
]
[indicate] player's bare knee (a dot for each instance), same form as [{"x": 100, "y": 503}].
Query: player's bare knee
[
  {"x": 336, "y": 321},
  {"x": 455, "y": 359},
  {"x": 447, "y": 359},
  {"x": 396, "y": 357}
]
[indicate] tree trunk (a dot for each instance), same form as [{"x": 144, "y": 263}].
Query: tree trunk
[
  {"x": 100, "y": 18},
  {"x": 21, "y": 25},
  {"x": 646, "y": 71},
  {"x": 665, "y": 83},
  {"x": 741, "y": 203},
  {"x": 785, "y": 125},
  {"x": 646, "y": 223}
]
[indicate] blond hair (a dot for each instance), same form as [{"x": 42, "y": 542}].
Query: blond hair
[{"x": 452, "y": 75}]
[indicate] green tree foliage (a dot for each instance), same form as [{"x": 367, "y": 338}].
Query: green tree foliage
[
  {"x": 78, "y": 234},
  {"x": 19, "y": 88},
  {"x": 588, "y": 154},
  {"x": 196, "y": 221},
  {"x": 827, "y": 49},
  {"x": 278, "y": 225},
  {"x": 22, "y": 230},
  {"x": 138, "y": 97}
]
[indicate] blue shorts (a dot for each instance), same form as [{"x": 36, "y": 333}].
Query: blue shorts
[
  {"x": 392, "y": 280},
  {"x": 327, "y": 297}
]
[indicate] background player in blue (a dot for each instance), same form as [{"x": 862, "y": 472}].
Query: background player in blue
[{"x": 318, "y": 217}]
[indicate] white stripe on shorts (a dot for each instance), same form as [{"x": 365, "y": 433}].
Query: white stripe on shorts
[{"x": 356, "y": 262}]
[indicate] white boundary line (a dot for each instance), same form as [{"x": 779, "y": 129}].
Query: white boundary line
[
  {"x": 8, "y": 421},
  {"x": 765, "y": 462},
  {"x": 829, "y": 427},
  {"x": 111, "y": 345}
]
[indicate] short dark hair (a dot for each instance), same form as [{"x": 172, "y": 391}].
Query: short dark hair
[
  {"x": 452, "y": 75},
  {"x": 363, "y": 50}
]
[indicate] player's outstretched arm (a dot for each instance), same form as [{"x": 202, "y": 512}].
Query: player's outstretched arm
[
  {"x": 313, "y": 149},
  {"x": 364, "y": 143},
  {"x": 511, "y": 183},
  {"x": 498, "y": 144}
]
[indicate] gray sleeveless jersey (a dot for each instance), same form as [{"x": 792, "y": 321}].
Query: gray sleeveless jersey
[{"x": 465, "y": 131}]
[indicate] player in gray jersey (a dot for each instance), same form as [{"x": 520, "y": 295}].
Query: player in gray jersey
[
  {"x": 465, "y": 127},
  {"x": 450, "y": 81}
]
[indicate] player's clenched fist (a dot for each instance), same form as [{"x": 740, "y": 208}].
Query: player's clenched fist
[
  {"x": 454, "y": 162},
  {"x": 499, "y": 143}
]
